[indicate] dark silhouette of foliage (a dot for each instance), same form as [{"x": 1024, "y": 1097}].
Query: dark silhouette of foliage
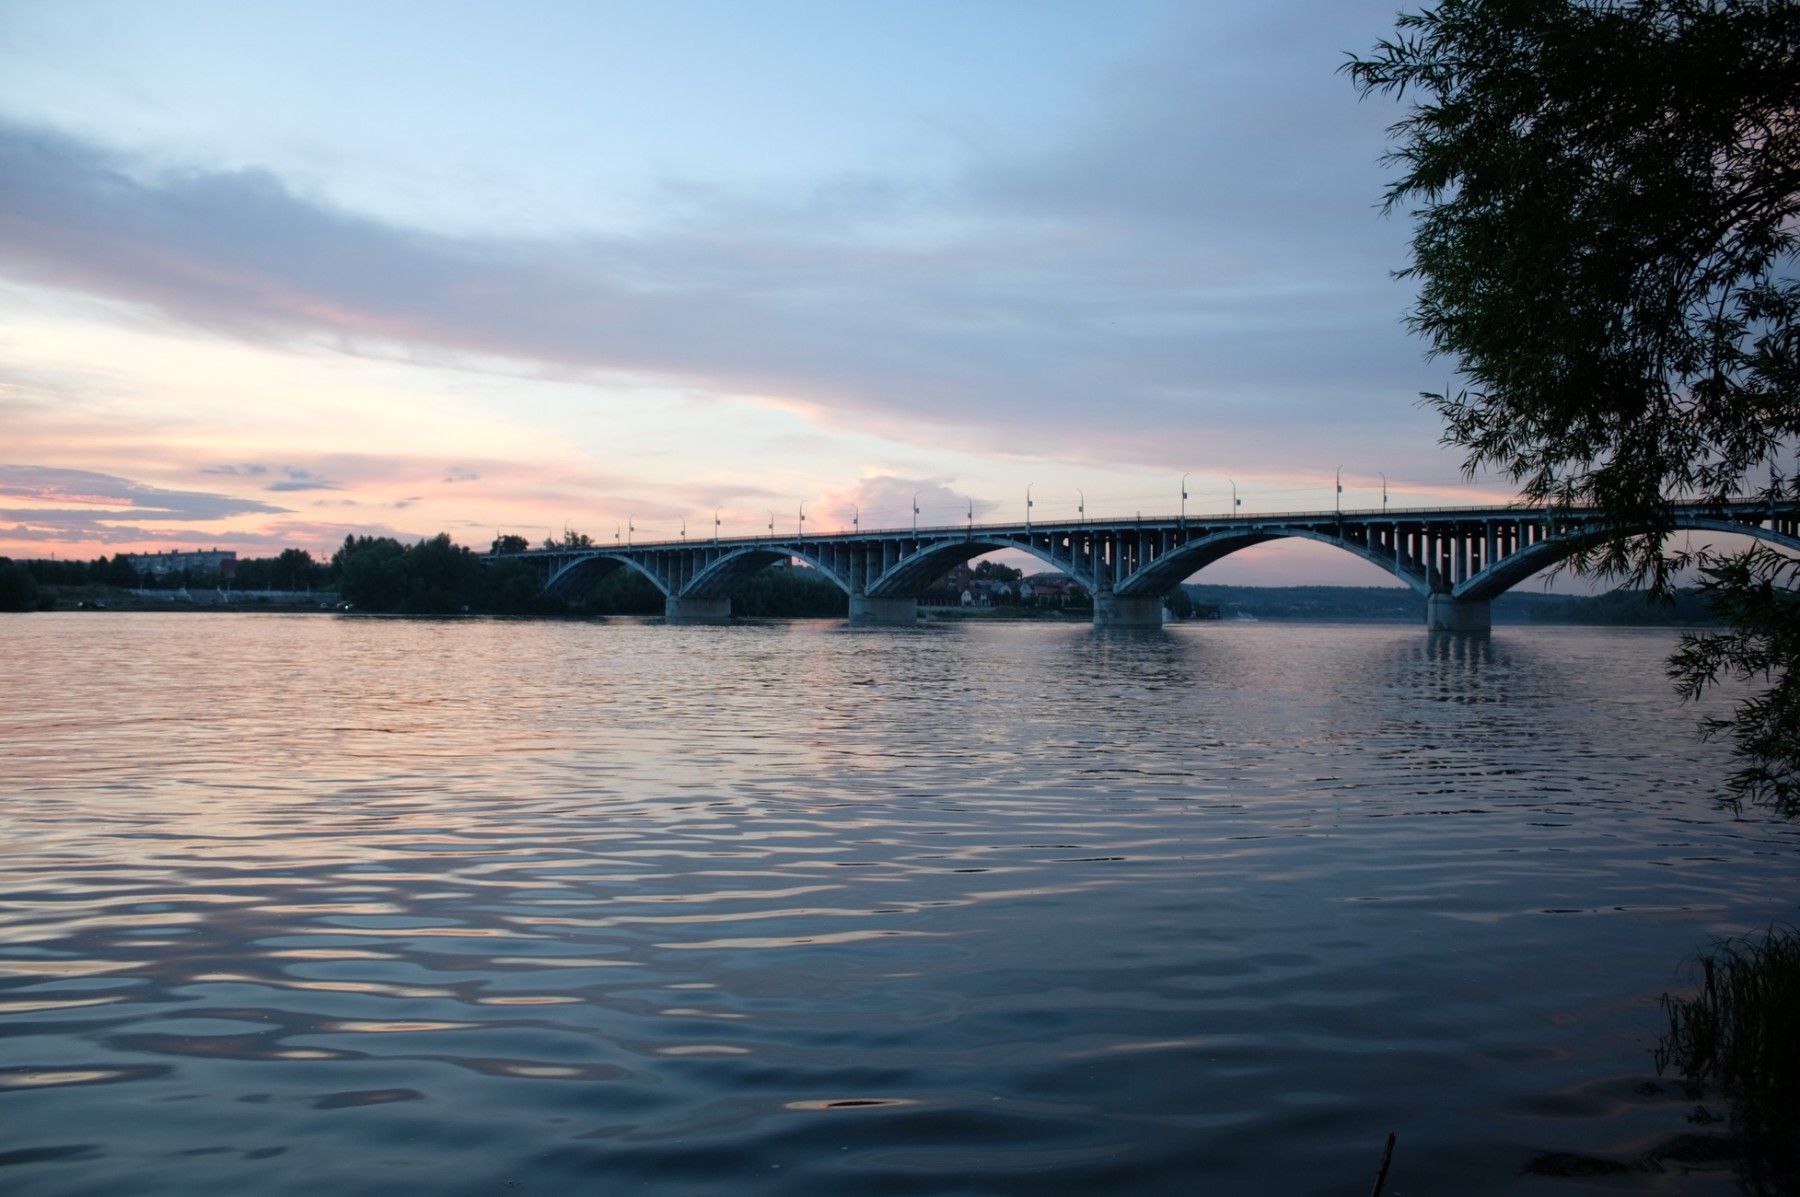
[
  {"x": 1739, "y": 1033},
  {"x": 624, "y": 591},
  {"x": 509, "y": 543},
  {"x": 513, "y": 588},
  {"x": 294, "y": 569},
  {"x": 434, "y": 577},
  {"x": 101, "y": 571},
  {"x": 570, "y": 540},
  {"x": 793, "y": 592},
  {"x": 372, "y": 572},
  {"x": 1747, "y": 590},
  {"x": 1605, "y": 243},
  {"x": 18, "y": 589},
  {"x": 116, "y": 572}
]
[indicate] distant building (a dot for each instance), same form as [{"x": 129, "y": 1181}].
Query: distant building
[
  {"x": 985, "y": 592},
  {"x": 207, "y": 563},
  {"x": 958, "y": 579},
  {"x": 1056, "y": 587}
]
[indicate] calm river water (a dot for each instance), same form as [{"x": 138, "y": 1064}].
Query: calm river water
[{"x": 312, "y": 905}]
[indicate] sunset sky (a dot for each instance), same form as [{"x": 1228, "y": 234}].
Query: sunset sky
[{"x": 272, "y": 273}]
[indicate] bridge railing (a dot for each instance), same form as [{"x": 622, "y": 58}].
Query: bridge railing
[{"x": 937, "y": 531}]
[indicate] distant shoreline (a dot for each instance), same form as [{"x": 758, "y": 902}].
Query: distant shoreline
[{"x": 1213, "y": 603}]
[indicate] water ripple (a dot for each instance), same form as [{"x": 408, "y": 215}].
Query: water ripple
[{"x": 787, "y": 909}]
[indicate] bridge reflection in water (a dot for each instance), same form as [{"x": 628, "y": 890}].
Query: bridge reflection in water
[{"x": 1458, "y": 558}]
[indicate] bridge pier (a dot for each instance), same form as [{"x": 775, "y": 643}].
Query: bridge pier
[
  {"x": 1444, "y": 613},
  {"x": 696, "y": 610},
  {"x": 1127, "y": 611},
  {"x": 866, "y": 612}
]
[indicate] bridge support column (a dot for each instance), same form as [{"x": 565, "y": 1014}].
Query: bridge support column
[
  {"x": 696, "y": 610},
  {"x": 866, "y": 612},
  {"x": 1127, "y": 611},
  {"x": 1446, "y": 614}
]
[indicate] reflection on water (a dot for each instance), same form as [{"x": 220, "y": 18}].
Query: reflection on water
[{"x": 302, "y": 905}]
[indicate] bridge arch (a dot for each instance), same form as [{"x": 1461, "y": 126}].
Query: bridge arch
[
  {"x": 721, "y": 577},
  {"x": 1509, "y": 571},
  {"x": 574, "y": 577},
  {"x": 1168, "y": 571},
  {"x": 910, "y": 576}
]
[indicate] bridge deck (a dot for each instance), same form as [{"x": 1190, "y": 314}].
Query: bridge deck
[{"x": 1459, "y": 557}]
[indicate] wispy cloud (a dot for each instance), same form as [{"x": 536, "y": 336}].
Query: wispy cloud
[
  {"x": 125, "y": 514},
  {"x": 79, "y": 501},
  {"x": 299, "y": 480},
  {"x": 1156, "y": 284},
  {"x": 248, "y": 470}
]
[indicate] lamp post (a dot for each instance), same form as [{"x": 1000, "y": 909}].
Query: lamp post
[
  {"x": 684, "y": 530},
  {"x": 1081, "y": 504},
  {"x": 971, "y": 515},
  {"x": 630, "y": 527},
  {"x": 915, "y": 515},
  {"x": 715, "y": 525},
  {"x": 1028, "y": 487},
  {"x": 1184, "y": 479},
  {"x": 616, "y": 540},
  {"x": 800, "y": 528},
  {"x": 856, "y": 520},
  {"x": 1235, "y": 501},
  {"x": 771, "y": 525},
  {"x": 1340, "y": 490},
  {"x": 1384, "y": 494}
]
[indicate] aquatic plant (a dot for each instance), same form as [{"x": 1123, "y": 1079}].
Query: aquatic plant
[{"x": 1741, "y": 1033}]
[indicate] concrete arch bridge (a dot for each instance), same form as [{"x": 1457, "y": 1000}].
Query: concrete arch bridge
[{"x": 1458, "y": 558}]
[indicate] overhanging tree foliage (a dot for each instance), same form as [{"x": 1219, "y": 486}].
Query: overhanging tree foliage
[{"x": 1605, "y": 198}]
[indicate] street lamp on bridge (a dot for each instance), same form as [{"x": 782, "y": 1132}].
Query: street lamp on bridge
[
  {"x": 856, "y": 520},
  {"x": 1235, "y": 501},
  {"x": 630, "y": 527},
  {"x": 1028, "y": 487},
  {"x": 1340, "y": 490},
  {"x": 715, "y": 525},
  {"x": 771, "y": 525},
  {"x": 800, "y": 528},
  {"x": 1081, "y": 504},
  {"x": 1184, "y": 479},
  {"x": 684, "y": 530},
  {"x": 915, "y": 513},
  {"x": 1383, "y": 494},
  {"x": 616, "y": 541}
]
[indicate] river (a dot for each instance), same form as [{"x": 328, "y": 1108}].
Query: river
[{"x": 308, "y": 904}]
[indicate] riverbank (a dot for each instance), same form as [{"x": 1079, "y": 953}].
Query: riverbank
[
  {"x": 111, "y": 598},
  {"x": 800, "y": 599}
]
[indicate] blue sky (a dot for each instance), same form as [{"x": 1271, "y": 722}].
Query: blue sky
[
  {"x": 561, "y": 118},
  {"x": 408, "y": 267}
]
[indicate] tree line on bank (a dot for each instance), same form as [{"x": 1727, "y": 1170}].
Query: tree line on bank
[
  {"x": 436, "y": 576},
  {"x": 380, "y": 574},
  {"x": 293, "y": 569}
]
